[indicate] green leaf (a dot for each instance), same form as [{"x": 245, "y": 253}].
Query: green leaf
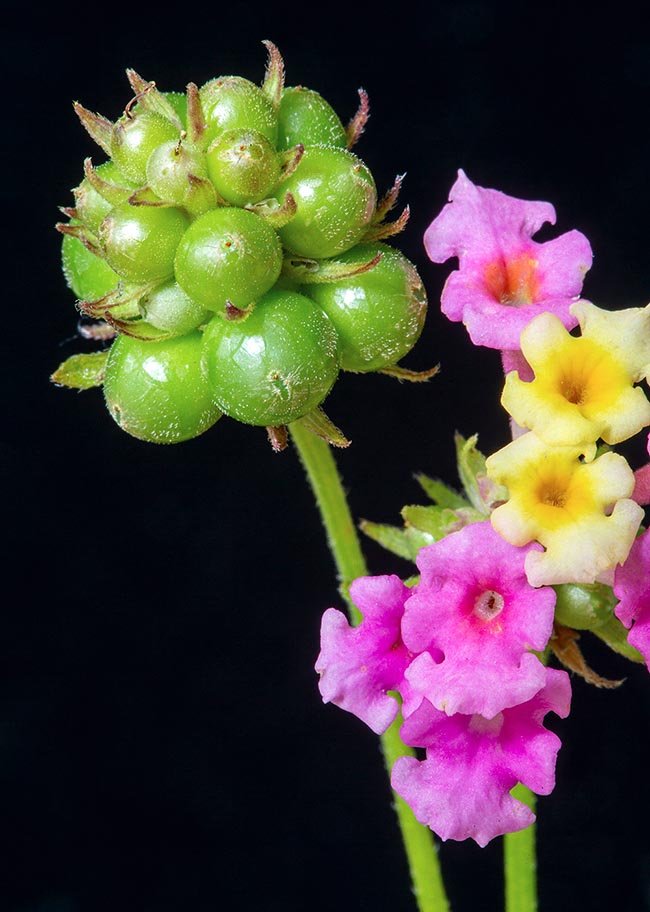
[
  {"x": 482, "y": 492},
  {"x": 83, "y": 371},
  {"x": 404, "y": 542},
  {"x": 440, "y": 493}
]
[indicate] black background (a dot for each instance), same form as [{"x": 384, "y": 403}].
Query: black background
[{"x": 162, "y": 741}]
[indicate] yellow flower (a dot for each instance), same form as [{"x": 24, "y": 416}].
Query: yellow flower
[
  {"x": 584, "y": 386},
  {"x": 565, "y": 504}
]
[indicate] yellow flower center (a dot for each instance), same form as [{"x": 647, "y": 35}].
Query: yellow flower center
[
  {"x": 585, "y": 375},
  {"x": 556, "y": 492}
]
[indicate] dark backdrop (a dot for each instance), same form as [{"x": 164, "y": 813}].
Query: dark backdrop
[{"x": 162, "y": 741}]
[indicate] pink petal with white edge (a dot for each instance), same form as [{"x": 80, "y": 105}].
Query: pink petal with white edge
[
  {"x": 632, "y": 588},
  {"x": 475, "y": 605},
  {"x": 358, "y": 665},
  {"x": 462, "y": 789}
]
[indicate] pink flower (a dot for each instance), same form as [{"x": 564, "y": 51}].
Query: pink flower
[
  {"x": 632, "y": 588},
  {"x": 358, "y": 665},
  {"x": 504, "y": 277},
  {"x": 462, "y": 789},
  {"x": 474, "y": 604}
]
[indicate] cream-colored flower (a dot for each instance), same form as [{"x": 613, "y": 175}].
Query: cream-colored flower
[{"x": 579, "y": 511}]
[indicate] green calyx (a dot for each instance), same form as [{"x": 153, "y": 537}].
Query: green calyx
[{"x": 228, "y": 224}]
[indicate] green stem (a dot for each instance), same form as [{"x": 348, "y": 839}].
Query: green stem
[
  {"x": 519, "y": 860},
  {"x": 322, "y": 473}
]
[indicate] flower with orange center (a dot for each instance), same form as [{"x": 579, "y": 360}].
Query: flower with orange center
[
  {"x": 583, "y": 386},
  {"x": 579, "y": 511},
  {"x": 504, "y": 277}
]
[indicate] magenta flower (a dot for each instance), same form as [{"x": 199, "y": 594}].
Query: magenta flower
[
  {"x": 358, "y": 665},
  {"x": 632, "y": 588},
  {"x": 475, "y": 606},
  {"x": 462, "y": 789},
  {"x": 504, "y": 277}
]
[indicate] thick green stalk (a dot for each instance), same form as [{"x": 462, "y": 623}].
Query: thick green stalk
[
  {"x": 322, "y": 473},
  {"x": 520, "y": 862}
]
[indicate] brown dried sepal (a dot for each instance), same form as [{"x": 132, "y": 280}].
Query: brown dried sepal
[
  {"x": 358, "y": 123},
  {"x": 564, "y": 646},
  {"x": 278, "y": 438}
]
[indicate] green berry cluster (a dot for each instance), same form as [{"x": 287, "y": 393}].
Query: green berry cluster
[{"x": 233, "y": 249}]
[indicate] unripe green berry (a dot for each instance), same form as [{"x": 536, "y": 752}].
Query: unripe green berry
[
  {"x": 140, "y": 242},
  {"x": 169, "y": 167},
  {"x": 584, "y": 606},
  {"x": 87, "y": 275},
  {"x": 243, "y": 166},
  {"x": 135, "y": 136},
  {"x": 336, "y": 198},
  {"x": 305, "y": 117},
  {"x": 159, "y": 391},
  {"x": 235, "y": 103},
  {"x": 90, "y": 206},
  {"x": 167, "y": 307},
  {"x": 228, "y": 255},
  {"x": 274, "y": 366},
  {"x": 378, "y": 314}
]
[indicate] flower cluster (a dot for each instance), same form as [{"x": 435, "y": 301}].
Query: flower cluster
[{"x": 545, "y": 540}]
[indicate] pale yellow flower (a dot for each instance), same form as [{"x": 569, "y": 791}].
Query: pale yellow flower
[
  {"x": 579, "y": 511},
  {"x": 583, "y": 388}
]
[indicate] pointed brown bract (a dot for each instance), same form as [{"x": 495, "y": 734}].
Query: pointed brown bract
[
  {"x": 273, "y": 84},
  {"x": 275, "y": 213},
  {"x": 358, "y": 123},
  {"x": 145, "y": 196},
  {"x": 379, "y": 228},
  {"x": 148, "y": 96},
  {"x": 403, "y": 373},
  {"x": 100, "y": 128},
  {"x": 290, "y": 160},
  {"x": 564, "y": 646},
  {"x": 318, "y": 423},
  {"x": 312, "y": 272},
  {"x": 78, "y": 231},
  {"x": 195, "y": 120},
  {"x": 379, "y": 231},
  {"x": 112, "y": 193},
  {"x": 389, "y": 199},
  {"x": 137, "y": 328},
  {"x": 278, "y": 438}
]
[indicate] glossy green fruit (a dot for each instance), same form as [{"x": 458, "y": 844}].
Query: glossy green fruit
[
  {"x": 87, "y": 275},
  {"x": 243, "y": 166},
  {"x": 274, "y": 366},
  {"x": 235, "y": 103},
  {"x": 228, "y": 255},
  {"x": 336, "y": 198},
  {"x": 168, "y": 308},
  {"x": 378, "y": 314},
  {"x": 159, "y": 391},
  {"x": 91, "y": 207},
  {"x": 305, "y": 117},
  {"x": 140, "y": 242},
  {"x": 169, "y": 168},
  {"x": 135, "y": 136}
]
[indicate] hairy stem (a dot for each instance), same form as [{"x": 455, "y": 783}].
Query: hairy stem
[{"x": 322, "y": 473}]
